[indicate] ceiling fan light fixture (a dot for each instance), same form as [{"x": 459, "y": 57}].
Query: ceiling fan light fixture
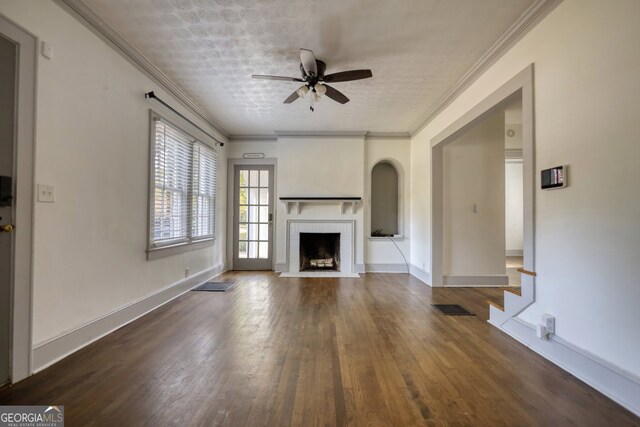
[
  {"x": 317, "y": 97},
  {"x": 320, "y": 89},
  {"x": 302, "y": 91}
]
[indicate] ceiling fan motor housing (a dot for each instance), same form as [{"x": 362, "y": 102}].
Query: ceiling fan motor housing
[{"x": 312, "y": 80}]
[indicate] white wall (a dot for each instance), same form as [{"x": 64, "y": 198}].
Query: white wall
[
  {"x": 513, "y": 206},
  {"x": 320, "y": 167},
  {"x": 587, "y": 236},
  {"x": 473, "y": 173},
  {"x": 333, "y": 167},
  {"x": 93, "y": 145}
]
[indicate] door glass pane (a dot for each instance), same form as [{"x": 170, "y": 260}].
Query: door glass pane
[
  {"x": 253, "y": 196},
  {"x": 253, "y": 214},
  {"x": 264, "y": 178},
  {"x": 264, "y": 196},
  {"x": 244, "y": 199},
  {"x": 242, "y": 249},
  {"x": 243, "y": 213},
  {"x": 253, "y": 249},
  {"x": 253, "y": 231},
  {"x": 264, "y": 231},
  {"x": 264, "y": 213},
  {"x": 244, "y": 178},
  {"x": 264, "y": 250},
  {"x": 242, "y": 232},
  {"x": 253, "y": 178}
]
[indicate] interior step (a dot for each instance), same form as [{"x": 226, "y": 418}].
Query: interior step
[
  {"x": 515, "y": 291},
  {"x": 496, "y": 305}
]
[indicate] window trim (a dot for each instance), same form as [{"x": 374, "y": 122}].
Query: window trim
[{"x": 178, "y": 245}]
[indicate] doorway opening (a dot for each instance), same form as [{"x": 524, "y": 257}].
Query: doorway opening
[
  {"x": 18, "y": 48},
  {"x": 482, "y": 204},
  {"x": 513, "y": 192}
]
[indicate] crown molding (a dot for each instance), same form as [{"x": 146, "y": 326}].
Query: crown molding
[
  {"x": 89, "y": 18},
  {"x": 318, "y": 134},
  {"x": 528, "y": 20},
  {"x": 280, "y": 134},
  {"x": 388, "y": 135},
  {"x": 254, "y": 137}
]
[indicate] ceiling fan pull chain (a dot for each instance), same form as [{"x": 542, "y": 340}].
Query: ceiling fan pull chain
[{"x": 311, "y": 103}]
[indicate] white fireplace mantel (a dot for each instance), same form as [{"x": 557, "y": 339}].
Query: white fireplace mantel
[{"x": 345, "y": 203}]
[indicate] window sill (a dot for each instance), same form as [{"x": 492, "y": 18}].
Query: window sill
[
  {"x": 165, "y": 251},
  {"x": 397, "y": 238}
]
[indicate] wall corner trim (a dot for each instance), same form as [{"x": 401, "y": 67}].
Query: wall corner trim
[
  {"x": 617, "y": 384},
  {"x": 56, "y": 348},
  {"x": 420, "y": 274}
]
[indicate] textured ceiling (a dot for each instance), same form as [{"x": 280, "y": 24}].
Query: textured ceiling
[{"x": 417, "y": 50}]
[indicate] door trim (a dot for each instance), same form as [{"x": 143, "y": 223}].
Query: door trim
[
  {"x": 22, "y": 287},
  {"x": 231, "y": 164}
]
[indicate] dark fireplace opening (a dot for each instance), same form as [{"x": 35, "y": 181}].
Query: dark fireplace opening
[{"x": 319, "y": 251}]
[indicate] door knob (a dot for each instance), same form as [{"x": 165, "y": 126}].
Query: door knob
[{"x": 6, "y": 228}]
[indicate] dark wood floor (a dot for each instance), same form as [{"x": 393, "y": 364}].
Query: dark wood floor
[{"x": 309, "y": 352}]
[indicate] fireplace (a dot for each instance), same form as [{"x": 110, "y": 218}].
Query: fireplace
[
  {"x": 320, "y": 248},
  {"x": 319, "y": 251}
]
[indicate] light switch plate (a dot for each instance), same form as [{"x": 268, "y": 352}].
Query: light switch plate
[
  {"x": 46, "y": 193},
  {"x": 47, "y": 50}
]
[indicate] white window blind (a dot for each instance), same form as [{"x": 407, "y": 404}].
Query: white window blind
[
  {"x": 183, "y": 202},
  {"x": 204, "y": 191}
]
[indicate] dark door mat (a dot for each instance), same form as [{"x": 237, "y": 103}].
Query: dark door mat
[
  {"x": 214, "y": 286},
  {"x": 452, "y": 310}
]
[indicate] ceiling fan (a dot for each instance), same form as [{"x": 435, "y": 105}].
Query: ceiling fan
[{"x": 315, "y": 80}]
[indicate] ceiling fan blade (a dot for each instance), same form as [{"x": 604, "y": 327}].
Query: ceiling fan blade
[
  {"x": 336, "y": 95},
  {"x": 288, "y": 79},
  {"x": 308, "y": 62},
  {"x": 347, "y": 76},
  {"x": 292, "y": 97}
]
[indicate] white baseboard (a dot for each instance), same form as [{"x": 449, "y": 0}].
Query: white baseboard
[
  {"x": 614, "y": 382},
  {"x": 515, "y": 252},
  {"x": 51, "y": 350},
  {"x": 280, "y": 267},
  {"x": 359, "y": 268},
  {"x": 386, "y": 268},
  {"x": 420, "y": 274},
  {"x": 497, "y": 280}
]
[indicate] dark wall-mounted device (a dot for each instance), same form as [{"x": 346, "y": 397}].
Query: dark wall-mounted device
[
  {"x": 553, "y": 178},
  {"x": 6, "y": 191}
]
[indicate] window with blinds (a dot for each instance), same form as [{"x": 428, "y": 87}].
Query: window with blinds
[
  {"x": 204, "y": 191},
  {"x": 184, "y": 187}
]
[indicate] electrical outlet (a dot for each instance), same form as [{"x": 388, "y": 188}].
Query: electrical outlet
[
  {"x": 46, "y": 193},
  {"x": 549, "y": 323},
  {"x": 546, "y": 327}
]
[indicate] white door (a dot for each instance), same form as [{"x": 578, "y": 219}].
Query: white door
[
  {"x": 253, "y": 217},
  {"x": 8, "y": 59}
]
